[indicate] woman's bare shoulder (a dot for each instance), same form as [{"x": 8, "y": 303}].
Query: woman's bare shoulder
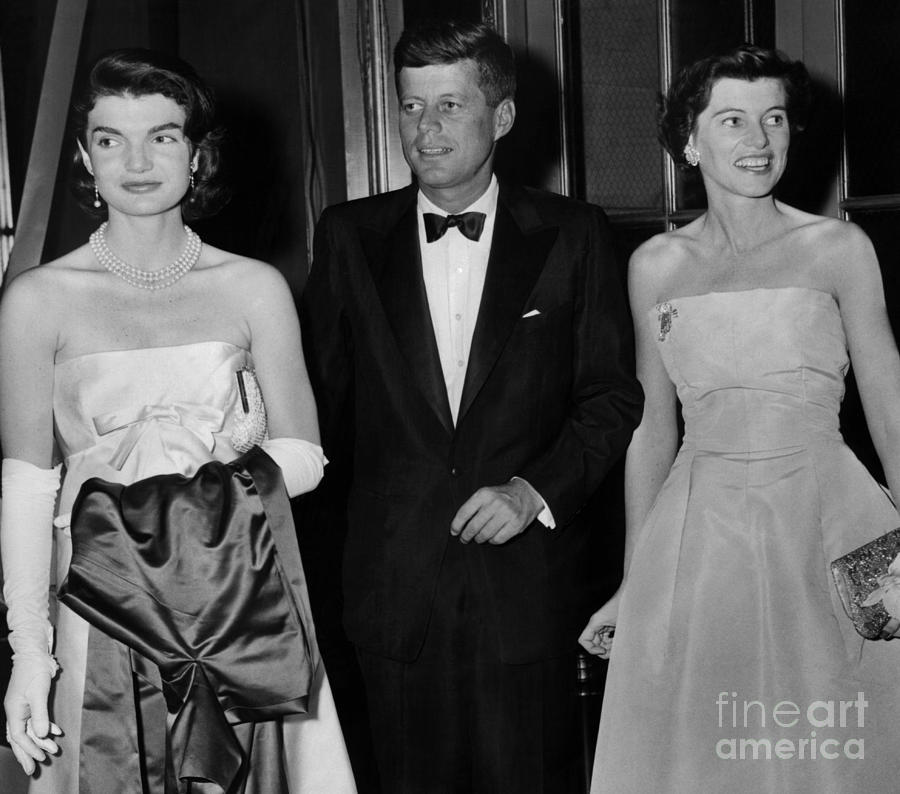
[
  {"x": 656, "y": 263},
  {"x": 246, "y": 287},
  {"x": 241, "y": 271},
  {"x": 39, "y": 299},
  {"x": 836, "y": 248},
  {"x": 839, "y": 236},
  {"x": 833, "y": 253},
  {"x": 822, "y": 230},
  {"x": 50, "y": 281}
]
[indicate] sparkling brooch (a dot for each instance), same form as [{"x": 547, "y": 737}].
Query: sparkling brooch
[{"x": 665, "y": 311}]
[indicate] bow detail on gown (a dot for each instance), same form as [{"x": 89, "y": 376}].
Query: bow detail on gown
[
  {"x": 201, "y": 420},
  {"x": 201, "y": 578}
]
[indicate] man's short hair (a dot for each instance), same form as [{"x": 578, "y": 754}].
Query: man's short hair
[{"x": 439, "y": 42}]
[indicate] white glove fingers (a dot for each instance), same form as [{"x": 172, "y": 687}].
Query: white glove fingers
[
  {"x": 38, "y": 725},
  {"x": 41, "y": 740},
  {"x": 22, "y": 757},
  {"x": 24, "y": 748}
]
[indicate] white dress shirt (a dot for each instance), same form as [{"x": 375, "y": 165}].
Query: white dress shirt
[{"x": 454, "y": 269}]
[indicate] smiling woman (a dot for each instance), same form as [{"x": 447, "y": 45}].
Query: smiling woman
[
  {"x": 747, "y": 318},
  {"x": 140, "y": 344},
  {"x": 742, "y": 132}
]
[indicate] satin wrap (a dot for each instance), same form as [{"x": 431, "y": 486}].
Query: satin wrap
[{"x": 194, "y": 585}]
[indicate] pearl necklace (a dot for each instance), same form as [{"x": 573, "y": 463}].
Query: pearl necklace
[{"x": 146, "y": 279}]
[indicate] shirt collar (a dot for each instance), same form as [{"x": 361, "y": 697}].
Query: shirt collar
[{"x": 486, "y": 203}]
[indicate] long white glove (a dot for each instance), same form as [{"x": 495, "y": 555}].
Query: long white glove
[
  {"x": 302, "y": 463},
  {"x": 26, "y": 524}
]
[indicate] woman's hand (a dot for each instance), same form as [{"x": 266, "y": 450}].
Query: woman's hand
[
  {"x": 597, "y": 636},
  {"x": 28, "y": 727}
]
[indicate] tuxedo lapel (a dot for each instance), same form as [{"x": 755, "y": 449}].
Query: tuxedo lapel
[
  {"x": 519, "y": 250},
  {"x": 396, "y": 264}
]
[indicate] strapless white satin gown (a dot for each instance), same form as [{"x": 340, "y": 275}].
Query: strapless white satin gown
[{"x": 130, "y": 414}]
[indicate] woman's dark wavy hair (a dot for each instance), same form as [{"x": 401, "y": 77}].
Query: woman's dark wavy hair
[
  {"x": 436, "y": 42},
  {"x": 689, "y": 93},
  {"x": 139, "y": 72}
]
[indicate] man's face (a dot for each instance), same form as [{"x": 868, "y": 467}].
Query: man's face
[{"x": 448, "y": 131}]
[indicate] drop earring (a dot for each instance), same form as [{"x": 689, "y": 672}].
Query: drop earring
[
  {"x": 691, "y": 155},
  {"x": 97, "y": 202}
]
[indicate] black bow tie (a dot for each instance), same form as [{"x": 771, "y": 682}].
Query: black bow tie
[{"x": 469, "y": 224}]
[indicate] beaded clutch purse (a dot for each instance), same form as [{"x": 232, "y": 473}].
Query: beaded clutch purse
[
  {"x": 250, "y": 416},
  {"x": 857, "y": 576}
]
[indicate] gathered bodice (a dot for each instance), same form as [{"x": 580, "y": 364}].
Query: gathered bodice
[
  {"x": 128, "y": 414},
  {"x": 755, "y": 370}
]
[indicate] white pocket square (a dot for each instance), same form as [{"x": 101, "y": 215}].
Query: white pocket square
[{"x": 532, "y": 313}]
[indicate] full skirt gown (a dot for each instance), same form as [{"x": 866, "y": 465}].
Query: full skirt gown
[
  {"x": 131, "y": 414},
  {"x": 734, "y": 667}
]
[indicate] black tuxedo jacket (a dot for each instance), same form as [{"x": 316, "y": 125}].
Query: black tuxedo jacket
[{"x": 549, "y": 395}]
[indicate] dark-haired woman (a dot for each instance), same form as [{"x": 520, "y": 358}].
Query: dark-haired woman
[
  {"x": 120, "y": 361},
  {"x": 733, "y": 667}
]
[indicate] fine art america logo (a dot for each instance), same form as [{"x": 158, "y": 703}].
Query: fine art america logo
[{"x": 821, "y": 729}]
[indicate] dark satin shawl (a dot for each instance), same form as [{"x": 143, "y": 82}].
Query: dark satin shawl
[{"x": 201, "y": 578}]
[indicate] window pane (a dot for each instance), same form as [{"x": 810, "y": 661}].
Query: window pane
[
  {"x": 616, "y": 70},
  {"x": 872, "y": 30},
  {"x": 701, "y": 28},
  {"x": 617, "y": 52}
]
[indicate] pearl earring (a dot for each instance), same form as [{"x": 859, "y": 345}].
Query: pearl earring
[{"x": 97, "y": 202}]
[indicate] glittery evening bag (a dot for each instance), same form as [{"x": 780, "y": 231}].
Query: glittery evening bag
[
  {"x": 856, "y": 576},
  {"x": 250, "y": 416}
]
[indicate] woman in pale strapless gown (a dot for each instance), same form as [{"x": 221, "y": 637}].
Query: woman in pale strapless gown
[
  {"x": 120, "y": 361},
  {"x": 733, "y": 667}
]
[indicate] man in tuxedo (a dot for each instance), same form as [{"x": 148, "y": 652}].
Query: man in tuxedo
[{"x": 470, "y": 347}]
